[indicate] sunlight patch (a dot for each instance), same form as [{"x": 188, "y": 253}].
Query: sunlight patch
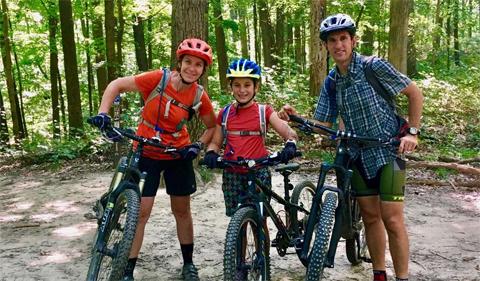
[
  {"x": 62, "y": 206},
  {"x": 75, "y": 230},
  {"x": 54, "y": 257},
  {"x": 21, "y": 206},
  {"x": 10, "y": 218},
  {"x": 44, "y": 217}
]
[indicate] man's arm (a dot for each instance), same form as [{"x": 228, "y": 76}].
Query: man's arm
[{"x": 415, "y": 105}]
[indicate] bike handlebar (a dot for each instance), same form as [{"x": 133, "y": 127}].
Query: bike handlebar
[
  {"x": 130, "y": 134},
  {"x": 307, "y": 126},
  {"x": 270, "y": 160}
]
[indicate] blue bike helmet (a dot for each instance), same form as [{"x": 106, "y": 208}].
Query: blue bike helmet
[
  {"x": 336, "y": 23},
  {"x": 243, "y": 68}
]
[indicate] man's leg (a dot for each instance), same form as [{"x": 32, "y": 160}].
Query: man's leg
[
  {"x": 392, "y": 215},
  {"x": 374, "y": 230}
]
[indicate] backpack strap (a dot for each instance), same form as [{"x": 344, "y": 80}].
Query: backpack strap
[
  {"x": 375, "y": 83},
  {"x": 262, "y": 121}
]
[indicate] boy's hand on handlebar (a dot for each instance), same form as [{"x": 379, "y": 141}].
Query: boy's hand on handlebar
[
  {"x": 210, "y": 159},
  {"x": 101, "y": 121},
  {"x": 288, "y": 152},
  {"x": 191, "y": 151},
  {"x": 285, "y": 111}
]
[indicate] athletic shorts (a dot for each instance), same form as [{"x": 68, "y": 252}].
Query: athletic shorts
[
  {"x": 179, "y": 176},
  {"x": 235, "y": 188},
  {"x": 389, "y": 182}
]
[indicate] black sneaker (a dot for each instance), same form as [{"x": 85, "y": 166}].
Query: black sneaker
[{"x": 190, "y": 272}]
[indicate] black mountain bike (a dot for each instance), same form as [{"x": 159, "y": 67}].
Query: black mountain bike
[
  {"x": 246, "y": 253},
  {"x": 338, "y": 210},
  {"x": 117, "y": 212}
]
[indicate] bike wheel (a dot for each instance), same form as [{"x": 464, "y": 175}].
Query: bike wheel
[
  {"x": 302, "y": 195},
  {"x": 356, "y": 247},
  {"x": 110, "y": 264},
  {"x": 322, "y": 239},
  {"x": 240, "y": 260}
]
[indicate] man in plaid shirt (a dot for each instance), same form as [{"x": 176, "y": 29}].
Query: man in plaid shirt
[{"x": 365, "y": 112}]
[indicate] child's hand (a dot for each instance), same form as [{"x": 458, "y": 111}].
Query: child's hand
[
  {"x": 285, "y": 111},
  {"x": 288, "y": 151}
]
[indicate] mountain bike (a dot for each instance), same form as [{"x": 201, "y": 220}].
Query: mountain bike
[
  {"x": 339, "y": 214},
  {"x": 117, "y": 211},
  {"x": 246, "y": 253}
]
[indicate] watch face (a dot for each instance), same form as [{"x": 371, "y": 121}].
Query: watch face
[{"x": 413, "y": 131}]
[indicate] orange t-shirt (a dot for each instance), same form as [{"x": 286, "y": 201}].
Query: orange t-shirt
[{"x": 154, "y": 112}]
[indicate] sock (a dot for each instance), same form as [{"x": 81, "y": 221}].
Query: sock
[
  {"x": 187, "y": 252},
  {"x": 401, "y": 279},
  {"x": 130, "y": 267},
  {"x": 379, "y": 275}
]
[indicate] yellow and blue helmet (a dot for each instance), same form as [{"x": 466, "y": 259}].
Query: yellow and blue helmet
[{"x": 243, "y": 68}]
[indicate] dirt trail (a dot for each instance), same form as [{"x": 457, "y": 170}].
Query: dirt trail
[{"x": 46, "y": 236}]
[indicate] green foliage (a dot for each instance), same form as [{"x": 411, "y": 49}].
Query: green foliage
[{"x": 443, "y": 173}]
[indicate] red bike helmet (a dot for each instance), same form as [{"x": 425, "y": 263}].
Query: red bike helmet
[{"x": 195, "y": 47}]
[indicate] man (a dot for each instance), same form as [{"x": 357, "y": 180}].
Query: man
[{"x": 365, "y": 112}]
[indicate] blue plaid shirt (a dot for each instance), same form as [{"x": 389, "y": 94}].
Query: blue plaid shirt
[{"x": 363, "y": 111}]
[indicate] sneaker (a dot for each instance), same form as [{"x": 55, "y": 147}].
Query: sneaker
[{"x": 190, "y": 272}]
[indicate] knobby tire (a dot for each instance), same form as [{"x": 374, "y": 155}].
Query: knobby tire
[
  {"x": 119, "y": 238},
  {"x": 322, "y": 239},
  {"x": 244, "y": 265}
]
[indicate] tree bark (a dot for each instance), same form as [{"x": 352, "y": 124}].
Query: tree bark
[
  {"x": 75, "y": 121},
  {"x": 8, "y": 71},
  {"x": 437, "y": 31},
  {"x": 243, "y": 33},
  {"x": 119, "y": 37},
  {"x": 99, "y": 47},
  {"x": 256, "y": 34},
  {"x": 398, "y": 35},
  {"x": 456, "y": 40},
  {"x": 139, "y": 41},
  {"x": 318, "y": 53},
  {"x": 110, "y": 40},
  {"x": 280, "y": 30},
  {"x": 92, "y": 104},
  {"x": 267, "y": 33},
  {"x": 52, "y": 34},
  {"x": 220, "y": 44},
  {"x": 4, "y": 137},
  {"x": 190, "y": 19},
  {"x": 412, "y": 48}
]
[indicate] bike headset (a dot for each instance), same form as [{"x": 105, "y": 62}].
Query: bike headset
[
  {"x": 337, "y": 22},
  {"x": 244, "y": 68},
  {"x": 195, "y": 47}
]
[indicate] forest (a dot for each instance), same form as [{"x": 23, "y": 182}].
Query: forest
[{"x": 58, "y": 57}]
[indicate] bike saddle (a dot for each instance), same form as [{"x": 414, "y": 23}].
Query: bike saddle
[{"x": 287, "y": 167}]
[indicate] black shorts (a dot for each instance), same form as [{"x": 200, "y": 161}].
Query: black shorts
[{"x": 179, "y": 176}]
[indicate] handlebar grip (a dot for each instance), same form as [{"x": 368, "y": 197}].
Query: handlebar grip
[{"x": 296, "y": 118}]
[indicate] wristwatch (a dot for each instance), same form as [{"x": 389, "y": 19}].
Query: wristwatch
[{"x": 413, "y": 131}]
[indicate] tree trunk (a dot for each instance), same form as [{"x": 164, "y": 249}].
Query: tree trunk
[
  {"x": 8, "y": 70},
  {"x": 256, "y": 34},
  {"x": 280, "y": 30},
  {"x": 412, "y": 49},
  {"x": 4, "y": 138},
  {"x": 318, "y": 53},
  {"x": 267, "y": 33},
  {"x": 149, "y": 36},
  {"x": 398, "y": 35},
  {"x": 119, "y": 37},
  {"x": 110, "y": 40},
  {"x": 20, "y": 86},
  {"x": 190, "y": 19},
  {"x": 220, "y": 44},
  {"x": 437, "y": 31},
  {"x": 368, "y": 36},
  {"x": 139, "y": 40},
  {"x": 448, "y": 32},
  {"x": 75, "y": 121},
  {"x": 62, "y": 102},
  {"x": 298, "y": 46},
  {"x": 243, "y": 33},
  {"x": 92, "y": 104},
  {"x": 456, "y": 41},
  {"x": 52, "y": 27}
]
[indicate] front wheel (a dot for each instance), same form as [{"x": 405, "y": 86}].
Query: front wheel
[
  {"x": 323, "y": 237},
  {"x": 241, "y": 260},
  {"x": 356, "y": 247},
  {"x": 120, "y": 231}
]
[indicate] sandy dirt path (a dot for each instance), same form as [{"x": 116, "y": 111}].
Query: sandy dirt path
[{"x": 45, "y": 234}]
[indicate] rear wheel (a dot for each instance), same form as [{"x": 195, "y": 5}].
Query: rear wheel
[
  {"x": 302, "y": 195},
  {"x": 110, "y": 263},
  {"x": 323, "y": 237},
  {"x": 241, "y": 261},
  {"x": 356, "y": 247}
]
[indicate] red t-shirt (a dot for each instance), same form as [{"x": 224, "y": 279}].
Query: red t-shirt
[
  {"x": 154, "y": 113},
  {"x": 245, "y": 119}
]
